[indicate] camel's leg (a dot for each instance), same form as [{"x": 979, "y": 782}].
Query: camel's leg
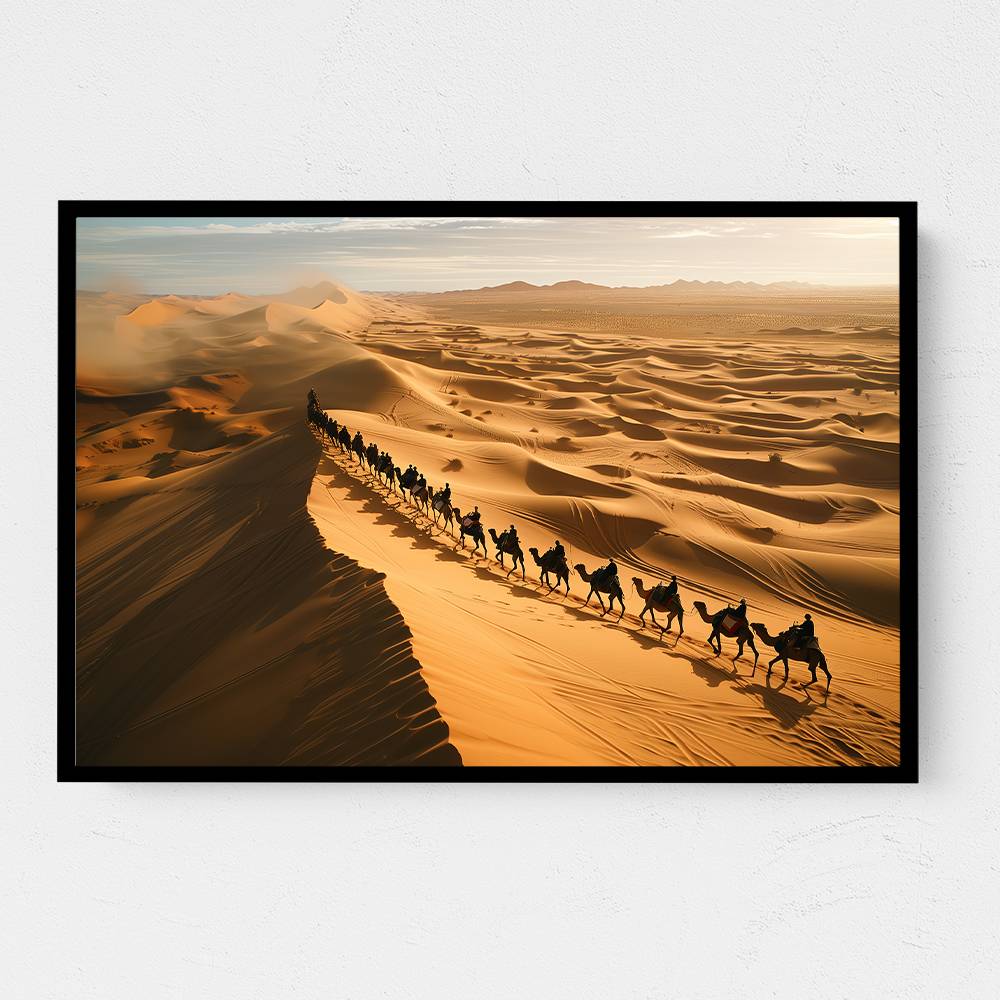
[
  {"x": 750, "y": 642},
  {"x": 826, "y": 670},
  {"x": 680, "y": 621},
  {"x": 604, "y": 610}
]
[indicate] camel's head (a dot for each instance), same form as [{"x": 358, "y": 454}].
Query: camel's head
[
  {"x": 637, "y": 580},
  {"x": 580, "y": 568},
  {"x": 758, "y": 627},
  {"x": 700, "y": 605},
  {"x": 533, "y": 551},
  {"x": 457, "y": 512}
]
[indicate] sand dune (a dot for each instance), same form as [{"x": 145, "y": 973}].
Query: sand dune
[{"x": 217, "y": 624}]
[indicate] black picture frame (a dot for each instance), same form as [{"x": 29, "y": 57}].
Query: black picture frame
[{"x": 67, "y": 768}]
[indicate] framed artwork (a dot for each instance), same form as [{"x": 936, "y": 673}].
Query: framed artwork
[{"x": 396, "y": 491}]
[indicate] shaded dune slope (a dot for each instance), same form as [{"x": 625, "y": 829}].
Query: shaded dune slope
[{"x": 214, "y": 627}]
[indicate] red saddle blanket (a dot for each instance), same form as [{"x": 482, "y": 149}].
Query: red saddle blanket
[{"x": 731, "y": 626}]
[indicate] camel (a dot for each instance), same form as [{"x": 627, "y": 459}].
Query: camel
[
  {"x": 743, "y": 635},
  {"x": 391, "y": 473},
  {"x": 443, "y": 507},
  {"x": 474, "y": 531},
  {"x": 671, "y": 607},
  {"x": 812, "y": 655},
  {"x": 344, "y": 438},
  {"x": 512, "y": 549},
  {"x": 615, "y": 593},
  {"x": 421, "y": 498},
  {"x": 372, "y": 455},
  {"x": 358, "y": 447},
  {"x": 408, "y": 479},
  {"x": 561, "y": 569}
]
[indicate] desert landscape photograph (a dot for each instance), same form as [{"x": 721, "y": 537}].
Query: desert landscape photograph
[{"x": 488, "y": 490}]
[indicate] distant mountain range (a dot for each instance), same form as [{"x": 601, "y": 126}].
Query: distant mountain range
[{"x": 681, "y": 285}]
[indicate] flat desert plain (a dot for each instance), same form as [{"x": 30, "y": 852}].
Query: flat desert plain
[{"x": 247, "y": 594}]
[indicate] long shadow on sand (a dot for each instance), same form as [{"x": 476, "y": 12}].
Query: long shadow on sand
[{"x": 405, "y": 521}]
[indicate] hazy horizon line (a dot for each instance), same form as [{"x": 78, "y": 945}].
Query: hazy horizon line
[{"x": 470, "y": 288}]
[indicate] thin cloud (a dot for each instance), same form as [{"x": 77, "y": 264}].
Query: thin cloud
[{"x": 857, "y": 236}]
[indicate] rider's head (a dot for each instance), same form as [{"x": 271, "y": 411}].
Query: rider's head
[
  {"x": 673, "y": 578},
  {"x": 743, "y": 600},
  {"x": 809, "y": 618}
]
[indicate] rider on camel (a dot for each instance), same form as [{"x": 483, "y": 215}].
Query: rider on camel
[
  {"x": 508, "y": 536},
  {"x": 609, "y": 575},
  {"x": 740, "y": 611},
  {"x": 799, "y": 635}
]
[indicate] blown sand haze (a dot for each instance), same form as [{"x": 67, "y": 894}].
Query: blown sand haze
[{"x": 245, "y": 598}]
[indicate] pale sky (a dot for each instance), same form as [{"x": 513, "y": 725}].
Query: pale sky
[{"x": 212, "y": 256}]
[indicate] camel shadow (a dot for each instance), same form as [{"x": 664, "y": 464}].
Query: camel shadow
[
  {"x": 646, "y": 640},
  {"x": 652, "y": 638},
  {"x": 789, "y": 711},
  {"x": 589, "y": 614},
  {"x": 712, "y": 673},
  {"x": 445, "y": 554}
]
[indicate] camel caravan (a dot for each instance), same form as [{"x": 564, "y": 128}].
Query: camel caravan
[{"x": 798, "y": 642}]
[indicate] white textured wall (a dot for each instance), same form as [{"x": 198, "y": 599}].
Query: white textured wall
[{"x": 120, "y": 892}]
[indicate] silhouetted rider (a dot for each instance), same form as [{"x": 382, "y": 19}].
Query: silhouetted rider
[
  {"x": 609, "y": 575},
  {"x": 799, "y": 635},
  {"x": 740, "y": 611}
]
